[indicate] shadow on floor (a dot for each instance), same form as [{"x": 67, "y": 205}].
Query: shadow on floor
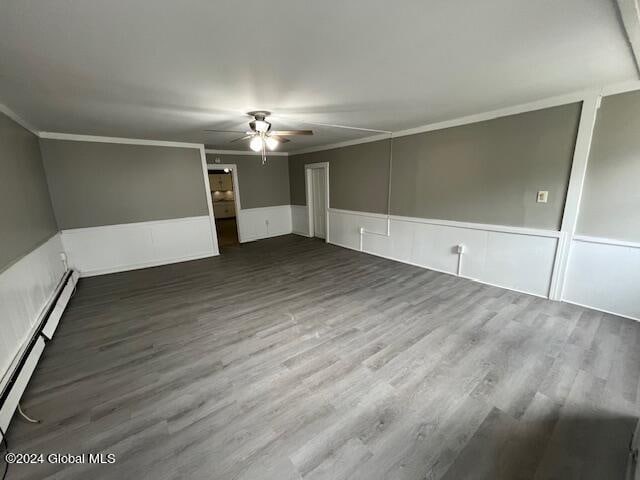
[{"x": 585, "y": 446}]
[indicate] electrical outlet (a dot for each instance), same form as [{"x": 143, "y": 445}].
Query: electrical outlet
[{"x": 543, "y": 196}]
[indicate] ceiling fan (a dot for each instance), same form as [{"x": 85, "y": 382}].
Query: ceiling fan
[{"x": 262, "y": 138}]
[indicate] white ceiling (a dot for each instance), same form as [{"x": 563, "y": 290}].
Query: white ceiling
[{"x": 166, "y": 69}]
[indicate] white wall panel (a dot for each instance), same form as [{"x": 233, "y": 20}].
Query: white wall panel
[
  {"x": 344, "y": 227},
  {"x": 433, "y": 246},
  {"x": 518, "y": 259},
  {"x": 25, "y": 289},
  {"x": 264, "y": 222},
  {"x": 519, "y": 262},
  {"x": 11, "y": 403},
  {"x": 115, "y": 248},
  {"x": 300, "y": 219},
  {"x": 604, "y": 274}
]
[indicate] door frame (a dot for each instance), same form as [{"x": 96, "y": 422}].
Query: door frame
[
  {"x": 236, "y": 190},
  {"x": 308, "y": 168}
]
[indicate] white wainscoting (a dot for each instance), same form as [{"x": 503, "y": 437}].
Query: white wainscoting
[
  {"x": 300, "y": 219},
  {"x": 604, "y": 274},
  {"x": 519, "y": 259},
  {"x": 117, "y": 248},
  {"x": 264, "y": 222},
  {"x": 8, "y": 408},
  {"x": 26, "y": 287}
]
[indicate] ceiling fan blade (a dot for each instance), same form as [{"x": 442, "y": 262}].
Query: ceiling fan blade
[
  {"x": 241, "y": 138},
  {"x": 224, "y": 131},
  {"x": 280, "y": 139},
  {"x": 282, "y": 133}
]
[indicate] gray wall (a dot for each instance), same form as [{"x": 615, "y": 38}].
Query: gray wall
[
  {"x": 26, "y": 216},
  {"x": 610, "y": 205},
  {"x": 94, "y": 184},
  {"x": 488, "y": 172},
  {"x": 260, "y": 185},
  {"x": 358, "y": 176}
]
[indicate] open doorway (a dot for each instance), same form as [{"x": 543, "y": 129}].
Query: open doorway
[
  {"x": 224, "y": 196},
  {"x": 317, "y": 189}
]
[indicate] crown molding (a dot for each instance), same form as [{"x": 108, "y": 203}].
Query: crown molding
[
  {"x": 120, "y": 140},
  {"x": 243, "y": 152},
  {"x": 18, "y": 119},
  {"x": 502, "y": 112},
  {"x": 618, "y": 88},
  {"x": 574, "y": 97},
  {"x": 347, "y": 143},
  {"x": 630, "y": 14},
  {"x": 578, "y": 96}
]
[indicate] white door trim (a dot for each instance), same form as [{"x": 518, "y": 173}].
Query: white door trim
[
  {"x": 207, "y": 187},
  {"x": 307, "y": 178},
  {"x": 236, "y": 189},
  {"x": 577, "y": 176}
]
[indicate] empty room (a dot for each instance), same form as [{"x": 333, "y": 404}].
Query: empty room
[{"x": 341, "y": 240}]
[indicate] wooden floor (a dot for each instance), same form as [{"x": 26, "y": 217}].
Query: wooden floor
[
  {"x": 288, "y": 358},
  {"x": 227, "y": 231}
]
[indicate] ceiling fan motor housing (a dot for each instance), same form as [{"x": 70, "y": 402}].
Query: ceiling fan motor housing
[{"x": 260, "y": 124}]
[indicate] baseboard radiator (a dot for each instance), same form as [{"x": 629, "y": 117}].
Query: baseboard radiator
[{"x": 16, "y": 379}]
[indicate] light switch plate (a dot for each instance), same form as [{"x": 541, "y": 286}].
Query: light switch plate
[{"x": 543, "y": 196}]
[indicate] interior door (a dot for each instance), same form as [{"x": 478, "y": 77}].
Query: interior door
[{"x": 318, "y": 184}]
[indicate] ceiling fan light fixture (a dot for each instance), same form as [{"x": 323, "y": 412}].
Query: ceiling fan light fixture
[
  {"x": 261, "y": 126},
  {"x": 256, "y": 144},
  {"x": 272, "y": 143}
]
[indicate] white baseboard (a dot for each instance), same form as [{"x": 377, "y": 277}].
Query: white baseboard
[
  {"x": 264, "y": 222},
  {"x": 140, "y": 266},
  {"x": 337, "y": 244},
  {"x": 591, "y": 307},
  {"x": 604, "y": 274},
  {"x": 509, "y": 257},
  {"x": 117, "y": 248}
]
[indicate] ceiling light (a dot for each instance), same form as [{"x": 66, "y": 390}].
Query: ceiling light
[
  {"x": 226, "y": 170},
  {"x": 256, "y": 144},
  {"x": 271, "y": 142},
  {"x": 261, "y": 126}
]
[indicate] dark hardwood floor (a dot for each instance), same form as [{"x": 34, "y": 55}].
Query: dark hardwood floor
[
  {"x": 227, "y": 231},
  {"x": 288, "y": 358}
]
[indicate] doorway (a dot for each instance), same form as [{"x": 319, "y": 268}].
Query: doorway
[
  {"x": 224, "y": 196},
  {"x": 317, "y": 189}
]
